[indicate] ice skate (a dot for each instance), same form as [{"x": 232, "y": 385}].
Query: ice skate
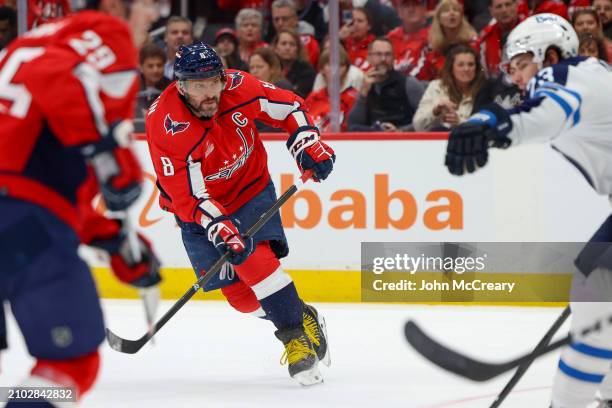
[
  {"x": 300, "y": 355},
  {"x": 314, "y": 325}
]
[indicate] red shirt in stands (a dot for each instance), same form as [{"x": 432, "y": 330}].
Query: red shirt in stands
[
  {"x": 489, "y": 46},
  {"x": 319, "y": 106},
  {"x": 222, "y": 158},
  {"x": 68, "y": 81},
  {"x": 546, "y": 6},
  {"x": 41, "y": 11},
  {"x": 411, "y": 52},
  {"x": 311, "y": 45},
  {"x": 358, "y": 51}
]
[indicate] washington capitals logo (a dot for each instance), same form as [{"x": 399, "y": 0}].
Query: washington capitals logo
[
  {"x": 235, "y": 80},
  {"x": 174, "y": 126}
]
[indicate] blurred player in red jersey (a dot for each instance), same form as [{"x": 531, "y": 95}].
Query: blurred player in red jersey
[
  {"x": 67, "y": 92},
  {"x": 212, "y": 173}
]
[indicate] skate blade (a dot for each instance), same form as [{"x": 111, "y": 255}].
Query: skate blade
[
  {"x": 309, "y": 377},
  {"x": 326, "y": 358}
]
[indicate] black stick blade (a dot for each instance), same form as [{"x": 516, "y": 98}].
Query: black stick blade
[
  {"x": 448, "y": 359},
  {"x": 123, "y": 345}
]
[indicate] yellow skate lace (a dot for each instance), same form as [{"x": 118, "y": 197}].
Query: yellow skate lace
[
  {"x": 312, "y": 329},
  {"x": 295, "y": 351}
]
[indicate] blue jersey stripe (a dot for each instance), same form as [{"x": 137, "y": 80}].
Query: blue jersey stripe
[
  {"x": 579, "y": 375},
  {"x": 592, "y": 351},
  {"x": 555, "y": 97}
]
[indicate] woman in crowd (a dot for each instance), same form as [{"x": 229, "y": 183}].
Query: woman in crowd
[
  {"x": 354, "y": 76},
  {"x": 226, "y": 45},
  {"x": 449, "y": 100},
  {"x": 249, "y": 25},
  {"x": 318, "y": 102},
  {"x": 265, "y": 66},
  {"x": 592, "y": 46},
  {"x": 357, "y": 36},
  {"x": 449, "y": 27},
  {"x": 586, "y": 20},
  {"x": 299, "y": 73}
]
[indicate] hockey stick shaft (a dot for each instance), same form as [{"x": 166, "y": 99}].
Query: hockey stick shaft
[
  {"x": 524, "y": 367},
  {"x": 476, "y": 370},
  {"x": 133, "y": 346}
]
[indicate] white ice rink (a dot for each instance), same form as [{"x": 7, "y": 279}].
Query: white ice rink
[{"x": 210, "y": 356}]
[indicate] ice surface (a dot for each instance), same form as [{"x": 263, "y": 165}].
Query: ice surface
[{"x": 208, "y": 355}]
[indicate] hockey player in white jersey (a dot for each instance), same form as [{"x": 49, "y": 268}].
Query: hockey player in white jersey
[{"x": 568, "y": 102}]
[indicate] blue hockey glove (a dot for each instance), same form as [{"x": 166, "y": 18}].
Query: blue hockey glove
[{"x": 468, "y": 143}]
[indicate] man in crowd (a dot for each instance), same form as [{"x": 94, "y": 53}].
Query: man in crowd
[
  {"x": 387, "y": 99},
  {"x": 410, "y": 40},
  {"x": 179, "y": 31}
]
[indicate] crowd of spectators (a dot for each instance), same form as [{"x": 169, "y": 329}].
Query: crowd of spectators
[{"x": 423, "y": 65}]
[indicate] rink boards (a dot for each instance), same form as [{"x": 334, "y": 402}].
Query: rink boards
[{"x": 390, "y": 188}]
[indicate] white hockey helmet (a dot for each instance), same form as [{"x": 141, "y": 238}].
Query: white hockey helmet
[{"x": 539, "y": 32}]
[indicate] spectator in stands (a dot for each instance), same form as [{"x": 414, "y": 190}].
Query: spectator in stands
[
  {"x": 449, "y": 28},
  {"x": 178, "y": 32},
  {"x": 354, "y": 76},
  {"x": 491, "y": 43},
  {"x": 318, "y": 102},
  {"x": 586, "y": 20},
  {"x": 249, "y": 23},
  {"x": 576, "y": 4},
  {"x": 410, "y": 41},
  {"x": 592, "y": 46},
  {"x": 152, "y": 80},
  {"x": 226, "y": 45},
  {"x": 295, "y": 68},
  {"x": 383, "y": 17},
  {"x": 604, "y": 9},
  {"x": 311, "y": 12},
  {"x": 237, "y": 5},
  {"x": 265, "y": 66},
  {"x": 357, "y": 36},
  {"x": 387, "y": 99},
  {"x": 449, "y": 100},
  {"x": 284, "y": 17},
  {"x": 548, "y": 6},
  {"x": 8, "y": 25}
]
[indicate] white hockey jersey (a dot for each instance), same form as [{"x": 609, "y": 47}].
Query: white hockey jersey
[{"x": 570, "y": 104}]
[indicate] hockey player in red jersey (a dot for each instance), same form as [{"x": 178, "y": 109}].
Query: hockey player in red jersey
[
  {"x": 212, "y": 172},
  {"x": 67, "y": 91}
]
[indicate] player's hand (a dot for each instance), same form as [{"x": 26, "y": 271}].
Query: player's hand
[
  {"x": 310, "y": 153},
  {"x": 468, "y": 143},
  {"x": 140, "y": 273},
  {"x": 226, "y": 238},
  {"x": 467, "y": 148},
  {"x": 117, "y": 170}
]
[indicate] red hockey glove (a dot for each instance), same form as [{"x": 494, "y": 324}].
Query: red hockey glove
[
  {"x": 118, "y": 172},
  {"x": 225, "y": 237},
  {"x": 142, "y": 273},
  {"x": 311, "y": 153}
]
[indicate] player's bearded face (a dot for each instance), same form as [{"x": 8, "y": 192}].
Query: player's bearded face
[{"x": 203, "y": 95}]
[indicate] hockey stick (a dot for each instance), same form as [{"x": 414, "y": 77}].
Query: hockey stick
[
  {"x": 133, "y": 346},
  {"x": 476, "y": 370},
  {"x": 524, "y": 367}
]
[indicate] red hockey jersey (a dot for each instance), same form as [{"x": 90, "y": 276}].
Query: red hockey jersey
[
  {"x": 222, "y": 158},
  {"x": 61, "y": 86}
]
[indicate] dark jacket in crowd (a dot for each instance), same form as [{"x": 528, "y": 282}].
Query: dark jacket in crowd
[
  {"x": 302, "y": 76},
  {"x": 394, "y": 100},
  {"x": 497, "y": 90}
]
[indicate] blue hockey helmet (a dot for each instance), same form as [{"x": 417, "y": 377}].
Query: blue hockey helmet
[{"x": 197, "y": 61}]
